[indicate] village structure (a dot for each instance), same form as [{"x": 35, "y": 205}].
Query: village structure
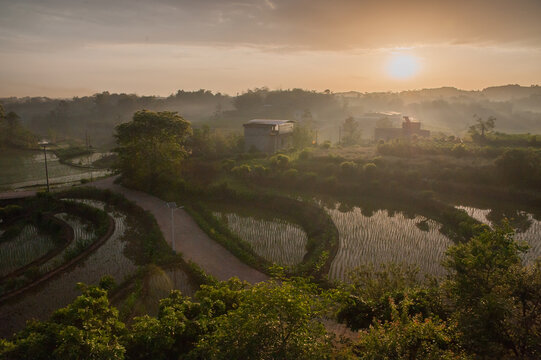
[
  {"x": 409, "y": 129},
  {"x": 268, "y": 136}
]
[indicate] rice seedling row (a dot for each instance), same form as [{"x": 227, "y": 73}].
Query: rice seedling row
[
  {"x": 381, "y": 239},
  {"x": 87, "y": 160},
  {"x": 24, "y": 248},
  {"x": 276, "y": 240},
  {"x": 108, "y": 259},
  {"x": 478, "y": 214},
  {"x": 83, "y": 236}
]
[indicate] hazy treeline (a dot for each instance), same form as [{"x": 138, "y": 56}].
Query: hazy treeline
[
  {"x": 517, "y": 108},
  {"x": 450, "y": 110}
]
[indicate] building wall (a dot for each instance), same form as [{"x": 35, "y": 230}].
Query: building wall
[
  {"x": 387, "y": 133},
  {"x": 406, "y": 131},
  {"x": 267, "y": 140}
]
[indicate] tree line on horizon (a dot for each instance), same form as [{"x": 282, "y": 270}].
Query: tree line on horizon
[{"x": 517, "y": 109}]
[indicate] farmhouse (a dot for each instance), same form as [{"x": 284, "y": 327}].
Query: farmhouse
[
  {"x": 409, "y": 128},
  {"x": 268, "y": 135}
]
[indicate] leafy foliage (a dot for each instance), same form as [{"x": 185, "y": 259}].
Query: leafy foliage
[{"x": 152, "y": 146}]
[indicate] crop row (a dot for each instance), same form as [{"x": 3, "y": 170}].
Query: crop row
[
  {"x": 381, "y": 239},
  {"x": 276, "y": 240}
]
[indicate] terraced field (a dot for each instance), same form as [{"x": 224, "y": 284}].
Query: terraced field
[
  {"x": 275, "y": 239},
  {"x": 108, "y": 259},
  {"x": 382, "y": 238},
  {"x": 24, "y": 248}
]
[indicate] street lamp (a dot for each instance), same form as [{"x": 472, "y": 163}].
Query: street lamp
[
  {"x": 173, "y": 206},
  {"x": 44, "y": 144}
]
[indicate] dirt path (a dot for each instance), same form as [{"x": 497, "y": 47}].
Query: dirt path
[{"x": 190, "y": 240}]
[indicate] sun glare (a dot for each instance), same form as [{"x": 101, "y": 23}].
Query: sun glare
[{"x": 402, "y": 66}]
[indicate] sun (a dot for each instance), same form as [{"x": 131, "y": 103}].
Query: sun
[{"x": 403, "y": 66}]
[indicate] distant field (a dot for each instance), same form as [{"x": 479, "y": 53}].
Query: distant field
[{"x": 22, "y": 168}]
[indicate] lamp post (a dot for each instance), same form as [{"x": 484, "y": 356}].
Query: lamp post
[
  {"x": 173, "y": 206},
  {"x": 44, "y": 143}
]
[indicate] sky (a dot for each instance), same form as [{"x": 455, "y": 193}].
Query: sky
[{"x": 66, "y": 48}]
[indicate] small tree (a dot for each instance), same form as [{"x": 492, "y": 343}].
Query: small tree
[
  {"x": 482, "y": 127},
  {"x": 352, "y": 133}
]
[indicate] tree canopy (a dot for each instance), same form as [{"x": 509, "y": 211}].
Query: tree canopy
[{"x": 152, "y": 146}]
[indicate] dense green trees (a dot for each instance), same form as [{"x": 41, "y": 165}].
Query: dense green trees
[
  {"x": 272, "y": 321},
  {"x": 151, "y": 147},
  {"x": 229, "y": 320},
  {"x": 12, "y": 133},
  {"x": 88, "y": 328}
]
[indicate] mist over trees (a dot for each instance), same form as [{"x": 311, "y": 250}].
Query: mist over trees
[{"x": 447, "y": 109}]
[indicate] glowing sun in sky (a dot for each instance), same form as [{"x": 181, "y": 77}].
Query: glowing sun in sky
[{"x": 403, "y": 66}]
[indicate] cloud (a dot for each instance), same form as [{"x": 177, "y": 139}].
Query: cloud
[{"x": 46, "y": 25}]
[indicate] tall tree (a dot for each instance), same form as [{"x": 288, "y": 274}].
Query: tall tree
[
  {"x": 152, "y": 146},
  {"x": 352, "y": 133}
]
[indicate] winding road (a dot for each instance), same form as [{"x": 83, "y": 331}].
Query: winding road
[{"x": 190, "y": 240}]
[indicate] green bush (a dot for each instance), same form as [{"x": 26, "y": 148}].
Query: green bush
[
  {"x": 242, "y": 171},
  {"x": 280, "y": 161},
  {"x": 348, "y": 168},
  {"x": 369, "y": 169},
  {"x": 291, "y": 174}
]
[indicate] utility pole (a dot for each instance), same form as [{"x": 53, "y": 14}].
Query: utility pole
[
  {"x": 173, "y": 207},
  {"x": 44, "y": 144}
]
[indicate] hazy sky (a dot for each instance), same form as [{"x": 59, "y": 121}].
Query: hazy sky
[{"x": 63, "y": 48}]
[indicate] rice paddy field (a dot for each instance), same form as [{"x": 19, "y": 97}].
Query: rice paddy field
[
  {"x": 531, "y": 234},
  {"x": 275, "y": 239},
  {"x": 382, "y": 238},
  {"x": 24, "y": 248},
  {"x": 87, "y": 160},
  {"x": 27, "y": 168},
  {"x": 39, "y": 303},
  {"x": 83, "y": 236}
]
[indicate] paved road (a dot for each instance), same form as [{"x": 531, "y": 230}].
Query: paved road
[{"x": 190, "y": 240}]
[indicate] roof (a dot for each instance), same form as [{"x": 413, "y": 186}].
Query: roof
[{"x": 267, "y": 122}]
